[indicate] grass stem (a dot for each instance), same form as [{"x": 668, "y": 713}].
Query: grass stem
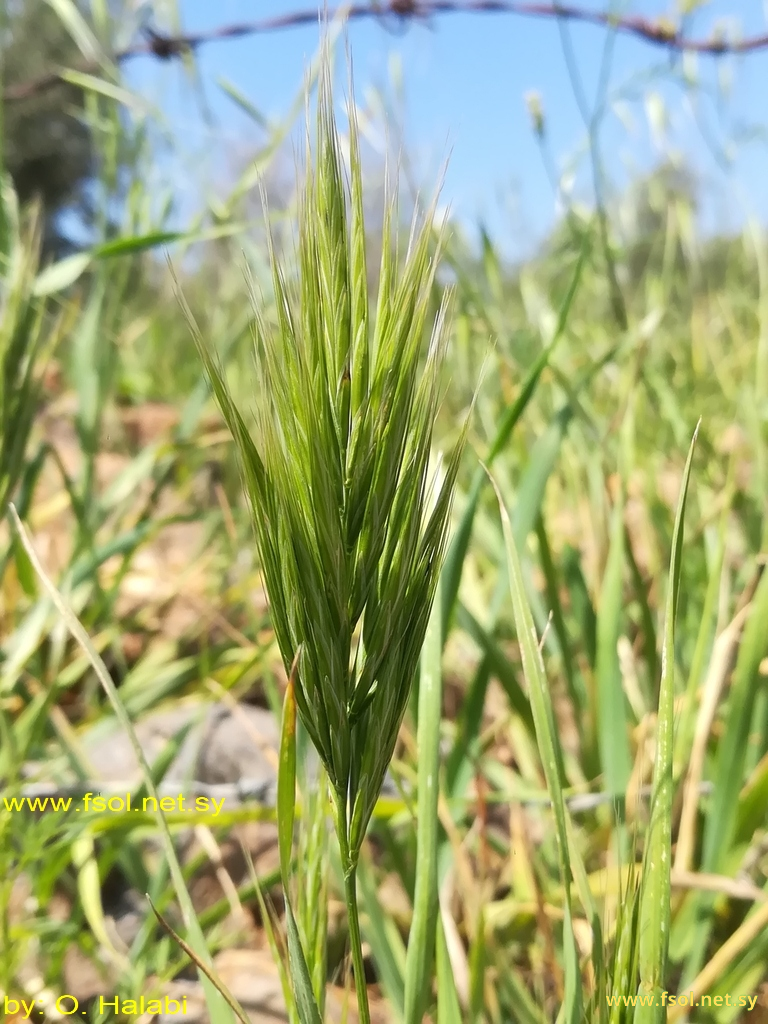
[
  {"x": 355, "y": 941},
  {"x": 349, "y": 867}
]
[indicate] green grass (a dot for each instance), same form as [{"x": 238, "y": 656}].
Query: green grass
[{"x": 548, "y": 703}]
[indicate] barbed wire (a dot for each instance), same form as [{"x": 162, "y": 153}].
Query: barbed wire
[{"x": 658, "y": 32}]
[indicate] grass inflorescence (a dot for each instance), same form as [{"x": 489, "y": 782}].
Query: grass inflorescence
[{"x": 350, "y": 526}]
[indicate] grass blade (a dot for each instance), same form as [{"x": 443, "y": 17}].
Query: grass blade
[
  {"x": 477, "y": 963},
  {"x": 302, "y": 982},
  {"x": 286, "y": 777},
  {"x": 448, "y": 1009},
  {"x": 576, "y": 691},
  {"x": 613, "y": 740},
  {"x": 384, "y": 939},
  {"x": 728, "y": 774},
  {"x": 550, "y": 751},
  {"x": 728, "y": 771},
  {"x": 421, "y": 941},
  {"x": 286, "y": 815},
  {"x": 498, "y": 663},
  {"x": 219, "y": 1012},
  {"x": 654, "y": 922},
  {"x": 454, "y": 560},
  {"x": 79, "y": 29}
]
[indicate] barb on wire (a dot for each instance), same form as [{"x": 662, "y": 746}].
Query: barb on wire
[{"x": 657, "y": 32}]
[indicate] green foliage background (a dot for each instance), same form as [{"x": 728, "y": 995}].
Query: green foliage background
[{"x": 593, "y": 689}]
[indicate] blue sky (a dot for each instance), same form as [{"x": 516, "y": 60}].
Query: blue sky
[{"x": 464, "y": 79}]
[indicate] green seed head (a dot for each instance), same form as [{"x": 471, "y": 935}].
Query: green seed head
[{"x": 350, "y": 538}]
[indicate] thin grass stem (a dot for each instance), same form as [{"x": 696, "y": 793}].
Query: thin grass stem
[
  {"x": 356, "y": 943},
  {"x": 349, "y": 867}
]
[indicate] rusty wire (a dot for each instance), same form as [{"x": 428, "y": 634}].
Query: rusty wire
[{"x": 153, "y": 43}]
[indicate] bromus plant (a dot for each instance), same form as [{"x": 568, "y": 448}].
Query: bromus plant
[
  {"x": 580, "y": 833},
  {"x": 349, "y": 526}
]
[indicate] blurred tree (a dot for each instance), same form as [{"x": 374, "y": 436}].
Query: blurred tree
[
  {"x": 48, "y": 145},
  {"x": 642, "y": 213}
]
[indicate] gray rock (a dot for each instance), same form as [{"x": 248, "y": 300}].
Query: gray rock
[
  {"x": 227, "y": 751},
  {"x": 252, "y": 978},
  {"x": 222, "y": 745},
  {"x": 126, "y": 913},
  {"x": 238, "y": 745},
  {"x": 195, "y": 1011}
]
